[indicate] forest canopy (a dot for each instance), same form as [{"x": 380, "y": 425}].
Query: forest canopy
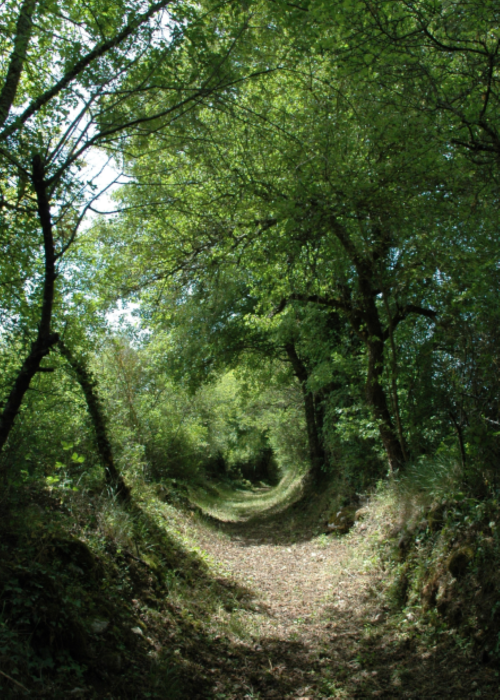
[
  {"x": 249, "y": 349},
  {"x": 299, "y": 210}
]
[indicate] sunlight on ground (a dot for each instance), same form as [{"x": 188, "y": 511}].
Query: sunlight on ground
[{"x": 231, "y": 505}]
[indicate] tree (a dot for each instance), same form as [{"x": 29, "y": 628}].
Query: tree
[
  {"x": 310, "y": 197},
  {"x": 113, "y": 58},
  {"x": 337, "y": 182},
  {"x": 216, "y": 327},
  {"x": 97, "y": 414}
]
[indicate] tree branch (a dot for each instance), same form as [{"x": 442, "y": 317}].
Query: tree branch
[
  {"x": 403, "y": 312},
  {"x": 81, "y": 65}
]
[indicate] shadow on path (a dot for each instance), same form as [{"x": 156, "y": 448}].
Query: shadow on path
[
  {"x": 296, "y": 522},
  {"x": 324, "y": 631},
  {"x": 345, "y": 660}
]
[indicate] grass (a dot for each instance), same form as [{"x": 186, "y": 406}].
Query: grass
[
  {"x": 149, "y": 569},
  {"x": 227, "y": 504},
  {"x": 143, "y": 569}
]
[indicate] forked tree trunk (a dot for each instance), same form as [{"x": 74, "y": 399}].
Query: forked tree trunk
[
  {"x": 96, "y": 411},
  {"x": 316, "y": 452},
  {"x": 366, "y": 322},
  {"x": 45, "y": 339}
]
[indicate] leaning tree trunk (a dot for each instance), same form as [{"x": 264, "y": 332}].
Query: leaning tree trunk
[
  {"x": 45, "y": 339},
  {"x": 21, "y": 40},
  {"x": 316, "y": 452},
  {"x": 98, "y": 417}
]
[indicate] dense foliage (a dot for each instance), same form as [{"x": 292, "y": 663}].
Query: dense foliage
[
  {"x": 339, "y": 214},
  {"x": 243, "y": 240},
  {"x": 309, "y": 189}
]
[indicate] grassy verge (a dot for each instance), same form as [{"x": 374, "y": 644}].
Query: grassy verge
[
  {"x": 102, "y": 600},
  {"x": 440, "y": 553},
  {"x": 229, "y": 504}
]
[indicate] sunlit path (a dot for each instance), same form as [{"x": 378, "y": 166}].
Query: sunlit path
[{"x": 319, "y": 627}]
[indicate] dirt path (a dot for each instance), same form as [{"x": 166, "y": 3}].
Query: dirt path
[{"x": 314, "y": 625}]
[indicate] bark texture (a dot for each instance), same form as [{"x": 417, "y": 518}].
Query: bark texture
[
  {"x": 316, "y": 452},
  {"x": 45, "y": 338},
  {"x": 88, "y": 385}
]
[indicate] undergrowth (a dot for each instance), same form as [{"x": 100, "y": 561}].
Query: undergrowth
[
  {"x": 105, "y": 600},
  {"x": 440, "y": 548},
  {"x": 102, "y": 599}
]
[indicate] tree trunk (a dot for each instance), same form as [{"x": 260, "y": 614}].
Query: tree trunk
[
  {"x": 376, "y": 399},
  {"x": 97, "y": 415},
  {"x": 17, "y": 58},
  {"x": 316, "y": 453},
  {"x": 375, "y": 394},
  {"x": 45, "y": 339},
  {"x": 366, "y": 321},
  {"x": 394, "y": 375}
]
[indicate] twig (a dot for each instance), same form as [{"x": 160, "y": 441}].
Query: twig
[{"x": 15, "y": 682}]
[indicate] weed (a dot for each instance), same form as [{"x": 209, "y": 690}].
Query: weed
[{"x": 323, "y": 541}]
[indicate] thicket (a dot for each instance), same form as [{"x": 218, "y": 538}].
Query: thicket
[{"x": 439, "y": 548}]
